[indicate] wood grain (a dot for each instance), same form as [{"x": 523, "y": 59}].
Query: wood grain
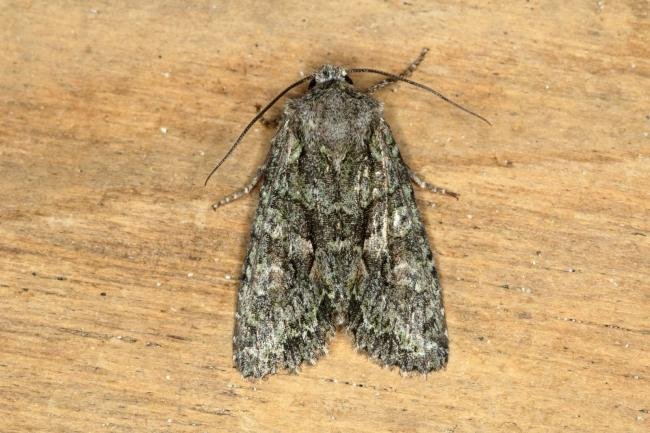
[{"x": 118, "y": 283}]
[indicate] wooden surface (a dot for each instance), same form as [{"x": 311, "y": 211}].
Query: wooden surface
[{"x": 118, "y": 283}]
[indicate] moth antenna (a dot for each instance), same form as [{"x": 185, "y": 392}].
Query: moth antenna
[
  {"x": 421, "y": 86},
  {"x": 257, "y": 117}
]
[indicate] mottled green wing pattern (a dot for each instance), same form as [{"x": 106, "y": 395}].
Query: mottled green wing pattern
[
  {"x": 396, "y": 313},
  {"x": 280, "y": 319}
]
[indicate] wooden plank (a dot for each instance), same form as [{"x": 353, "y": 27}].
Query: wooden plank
[{"x": 118, "y": 283}]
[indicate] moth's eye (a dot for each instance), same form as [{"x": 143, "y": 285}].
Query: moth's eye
[
  {"x": 348, "y": 79},
  {"x": 312, "y": 83}
]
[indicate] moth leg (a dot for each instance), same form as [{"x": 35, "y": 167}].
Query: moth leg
[
  {"x": 242, "y": 192},
  {"x": 429, "y": 187},
  {"x": 271, "y": 123},
  {"x": 405, "y": 73}
]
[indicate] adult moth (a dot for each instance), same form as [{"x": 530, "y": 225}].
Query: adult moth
[{"x": 337, "y": 238}]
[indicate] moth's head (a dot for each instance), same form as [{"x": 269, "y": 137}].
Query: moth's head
[{"x": 329, "y": 74}]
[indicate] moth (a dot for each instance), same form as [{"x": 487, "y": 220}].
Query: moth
[{"x": 337, "y": 239}]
